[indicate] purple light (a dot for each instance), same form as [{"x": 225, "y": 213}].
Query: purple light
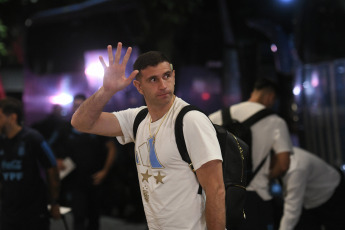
[
  {"x": 93, "y": 68},
  {"x": 61, "y": 99},
  {"x": 315, "y": 79},
  {"x": 94, "y": 71},
  {"x": 274, "y": 48}
]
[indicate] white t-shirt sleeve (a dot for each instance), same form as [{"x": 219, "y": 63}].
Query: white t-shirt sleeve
[
  {"x": 295, "y": 183},
  {"x": 282, "y": 141},
  {"x": 126, "y": 119},
  {"x": 216, "y": 117},
  {"x": 201, "y": 139}
]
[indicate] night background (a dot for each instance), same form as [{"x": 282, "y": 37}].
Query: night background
[{"x": 218, "y": 48}]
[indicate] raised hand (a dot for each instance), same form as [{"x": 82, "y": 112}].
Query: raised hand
[{"x": 114, "y": 79}]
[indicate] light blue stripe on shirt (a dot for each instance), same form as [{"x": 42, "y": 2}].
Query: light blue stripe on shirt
[{"x": 48, "y": 152}]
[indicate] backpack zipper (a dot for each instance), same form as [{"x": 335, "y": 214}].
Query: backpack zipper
[{"x": 241, "y": 152}]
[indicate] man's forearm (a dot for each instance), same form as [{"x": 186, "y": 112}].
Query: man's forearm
[
  {"x": 275, "y": 173},
  {"x": 215, "y": 210},
  {"x": 280, "y": 165},
  {"x": 110, "y": 156},
  {"x": 53, "y": 184},
  {"x": 90, "y": 110}
]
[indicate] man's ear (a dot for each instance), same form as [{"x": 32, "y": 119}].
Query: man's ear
[
  {"x": 174, "y": 77},
  {"x": 137, "y": 85}
]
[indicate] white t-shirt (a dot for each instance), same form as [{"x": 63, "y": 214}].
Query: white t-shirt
[
  {"x": 309, "y": 183},
  {"x": 269, "y": 133},
  {"x": 168, "y": 186}
]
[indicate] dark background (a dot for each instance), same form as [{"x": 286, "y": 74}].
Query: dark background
[{"x": 218, "y": 47}]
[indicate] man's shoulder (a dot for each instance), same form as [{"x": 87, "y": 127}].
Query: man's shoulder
[
  {"x": 244, "y": 110},
  {"x": 247, "y": 105},
  {"x": 194, "y": 112},
  {"x": 214, "y": 115},
  {"x": 130, "y": 117},
  {"x": 179, "y": 104},
  {"x": 275, "y": 119},
  {"x": 196, "y": 120},
  {"x": 30, "y": 134},
  {"x": 135, "y": 110}
]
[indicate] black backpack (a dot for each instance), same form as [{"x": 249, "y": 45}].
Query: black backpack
[
  {"x": 243, "y": 131},
  {"x": 234, "y": 153}
]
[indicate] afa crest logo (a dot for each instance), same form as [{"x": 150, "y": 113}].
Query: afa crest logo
[{"x": 21, "y": 149}]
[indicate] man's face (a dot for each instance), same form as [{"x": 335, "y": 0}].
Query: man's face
[
  {"x": 157, "y": 84},
  {"x": 4, "y": 120}
]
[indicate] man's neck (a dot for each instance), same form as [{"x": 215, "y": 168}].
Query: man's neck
[
  {"x": 13, "y": 131},
  {"x": 158, "y": 112},
  {"x": 258, "y": 98}
]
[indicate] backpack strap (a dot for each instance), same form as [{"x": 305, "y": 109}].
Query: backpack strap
[
  {"x": 258, "y": 168},
  {"x": 226, "y": 116},
  {"x": 179, "y": 136},
  {"x": 257, "y": 117},
  {"x": 248, "y": 123},
  {"x": 138, "y": 119}
]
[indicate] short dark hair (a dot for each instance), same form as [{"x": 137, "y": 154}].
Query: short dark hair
[
  {"x": 266, "y": 83},
  {"x": 10, "y": 106},
  {"x": 151, "y": 58},
  {"x": 79, "y": 96}
]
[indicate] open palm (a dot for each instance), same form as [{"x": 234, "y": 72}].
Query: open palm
[{"x": 114, "y": 75}]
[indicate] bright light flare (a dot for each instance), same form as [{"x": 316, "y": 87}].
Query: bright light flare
[
  {"x": 296, "y": 90},
  {"x": 94, "y": 70},
  {"x": 61, "y": 99}
]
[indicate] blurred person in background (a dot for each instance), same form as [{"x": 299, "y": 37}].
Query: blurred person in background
[
  {"x": 49, "y": 126},
  {"x": 29, "y": 175},
  {"x": 268, "y": 134},
  {"x": 314, "y": 194},
  {"x": 93, "y": 157}
]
